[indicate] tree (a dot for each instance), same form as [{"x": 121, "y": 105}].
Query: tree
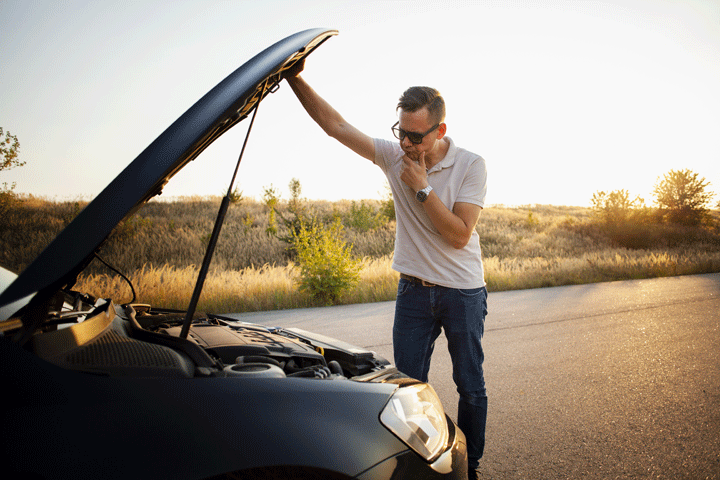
[
  {"x": 9, "y": 151},
  {"x": 683, "y": 197}
]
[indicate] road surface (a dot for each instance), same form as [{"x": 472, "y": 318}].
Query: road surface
[{"x": 600, "y": 381}]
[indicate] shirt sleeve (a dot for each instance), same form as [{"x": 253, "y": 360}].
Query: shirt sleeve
[
  {"x": 474, "y": 186},
  {"x": 383, "y": 153}
]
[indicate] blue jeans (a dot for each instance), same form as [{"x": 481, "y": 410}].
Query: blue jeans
[{"x": 421, "y": 313}]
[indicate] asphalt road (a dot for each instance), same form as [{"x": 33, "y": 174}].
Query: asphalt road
[{"x": 610, "y": 380}]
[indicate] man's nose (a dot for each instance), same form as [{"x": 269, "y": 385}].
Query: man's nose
[{"x": 405, "y": 142}]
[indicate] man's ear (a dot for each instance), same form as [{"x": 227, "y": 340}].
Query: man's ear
[{"x": 442, "y": 130}]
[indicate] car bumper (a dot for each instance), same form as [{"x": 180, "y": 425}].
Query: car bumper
[{"x": 452, "y": 464}]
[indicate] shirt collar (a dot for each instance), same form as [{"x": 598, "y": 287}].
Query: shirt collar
[{"x": 449, "y": 158}]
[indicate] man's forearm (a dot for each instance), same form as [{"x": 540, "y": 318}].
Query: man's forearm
[
  {"x": 456, "y": 225},
  {"x": 330, "y": 120},
  {"x": 319, "y": 110}
]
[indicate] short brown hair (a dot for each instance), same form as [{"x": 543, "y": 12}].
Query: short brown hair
[{"x": 415, "y": 98}]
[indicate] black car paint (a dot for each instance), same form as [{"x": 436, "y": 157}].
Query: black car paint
[{"x": 180, "y": 428}]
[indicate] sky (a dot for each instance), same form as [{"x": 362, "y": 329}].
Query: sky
[{"x": 561, "y": 98}]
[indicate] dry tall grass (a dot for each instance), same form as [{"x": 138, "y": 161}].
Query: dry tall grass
[
  {"x": 248, "y": 290},
  {"x": 159, "y": 249},
  {"x": 608, "y": 265},
  {"x": 275, "y": 287}
]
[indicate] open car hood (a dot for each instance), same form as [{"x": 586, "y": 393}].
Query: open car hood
[{"x": 220, "y": 109}]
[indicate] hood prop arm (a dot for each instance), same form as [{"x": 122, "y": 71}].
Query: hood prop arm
[{"x": 216, "y": 233}]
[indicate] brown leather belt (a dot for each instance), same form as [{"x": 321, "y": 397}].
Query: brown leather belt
[{"x": 416, "y": 280}]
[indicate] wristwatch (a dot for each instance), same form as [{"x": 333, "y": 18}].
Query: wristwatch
[{"x": 422, "y": 195}]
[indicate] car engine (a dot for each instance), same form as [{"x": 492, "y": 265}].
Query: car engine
[{"x": 137, "y": 340}]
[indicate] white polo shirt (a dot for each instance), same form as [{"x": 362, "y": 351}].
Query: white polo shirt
[{"x": 420, "y": 251}]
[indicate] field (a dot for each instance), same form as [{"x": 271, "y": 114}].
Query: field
[{"x": 161, "y": 247}]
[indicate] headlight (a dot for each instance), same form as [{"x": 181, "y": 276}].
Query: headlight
[{"x": 416, "y": 416}]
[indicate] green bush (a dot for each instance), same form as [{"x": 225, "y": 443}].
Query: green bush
[
  {"x": 364, "y": 217},
  {"x": 8, "y": 199},
  {"x": 388, "y": 204},
  {"x": 626, "y": 222},
  {"x": 327, "y": 268},
  {"x": 271, "y": 197}
]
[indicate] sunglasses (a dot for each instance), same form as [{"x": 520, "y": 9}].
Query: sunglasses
[{"x": 414, "y": 137}]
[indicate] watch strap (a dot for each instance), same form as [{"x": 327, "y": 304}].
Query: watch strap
[{"x": 422, "y": 195}]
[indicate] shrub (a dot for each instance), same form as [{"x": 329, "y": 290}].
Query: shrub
[
  {"x": 236, "y": 196},
  {"x": 363, "y": 217},
  {"x": 298, "y": 211},
  {"x": 388, "y": 204},
  {"x": 327, "y": 268},
  {"x": 8, "y": 199},
  {"x": 615, "y": 207},
  {"x": 623, "y": 221},
  {"x": 271, "y": 197}
]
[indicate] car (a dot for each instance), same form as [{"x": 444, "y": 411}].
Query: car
[{"x": 95, "y": 388}]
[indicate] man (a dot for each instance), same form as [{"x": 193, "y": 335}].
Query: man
[{"x": 439, "y": 191}]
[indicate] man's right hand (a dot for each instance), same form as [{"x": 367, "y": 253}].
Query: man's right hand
[{"x": 295, "y": 69}]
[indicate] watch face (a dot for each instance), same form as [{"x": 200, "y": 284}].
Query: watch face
[{"x": 421, "y": 196}]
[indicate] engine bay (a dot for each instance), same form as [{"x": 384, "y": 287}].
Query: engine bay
[{"x": 137, "y": 340}]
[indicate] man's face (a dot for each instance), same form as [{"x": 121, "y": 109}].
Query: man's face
[{"x": 419, "y": 122}]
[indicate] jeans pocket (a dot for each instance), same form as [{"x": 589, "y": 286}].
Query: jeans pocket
[
  {"x": 403, "y": 287},
  {"x": 470, "y": 296},
  {"x": 470, "y": 292}
]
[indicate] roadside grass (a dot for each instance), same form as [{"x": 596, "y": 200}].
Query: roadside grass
[
  {"x": 275, "y": 287},
  {"x": 248, "y": 290},
  {"x": 605, "y": 266},
  {"x": 160, "y": 249}
]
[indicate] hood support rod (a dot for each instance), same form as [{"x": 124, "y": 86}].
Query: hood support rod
[{"x": 216, "y": 230}]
